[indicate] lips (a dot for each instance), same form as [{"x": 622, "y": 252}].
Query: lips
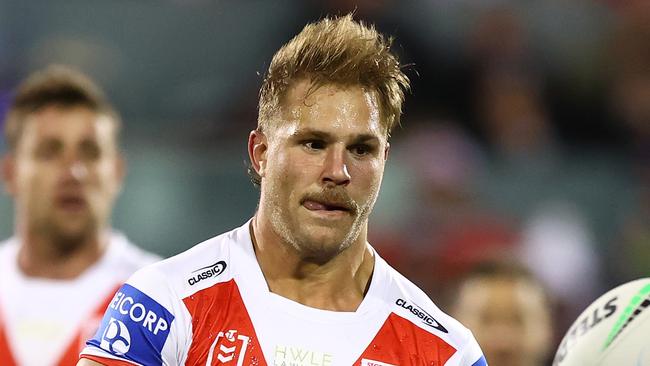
[
  {"x": 329, "y": 202},
  {"x": 71, "y": 202},
  {"x": 324, "y": 206}
]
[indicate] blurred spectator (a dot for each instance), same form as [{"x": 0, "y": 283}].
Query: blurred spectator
[
  {"x": 447, "y": 230},
  {"x": 530, "y": 178},
  {"x": 508, "y": 311},
  {"x": 630, "y": 54},
  {"x": 498, "y": 37},
  {"x": 631, "y": 100},
  {"x": 512, "y": 114},
  {"x": 559, "y": 249}
]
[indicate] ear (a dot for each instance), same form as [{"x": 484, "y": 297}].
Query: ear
[
  {"x": 9, "y": 174},
  {"x": 386, "y": 150},
  {"x": 257, "y": 148}
]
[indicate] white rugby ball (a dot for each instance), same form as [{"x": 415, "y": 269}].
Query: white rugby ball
[{"x": 613, "y": 331}]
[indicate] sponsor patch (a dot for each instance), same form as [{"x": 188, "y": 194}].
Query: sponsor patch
[
  {"x": 135, "y": 327},
  {"x": 422, "y": 314},
  {"x": 206, "y": 272},
  {"x": 298, "y": 356}
]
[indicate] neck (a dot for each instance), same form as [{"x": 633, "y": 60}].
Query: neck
[
  {"x": 338, "y": 285},
  {"x": 40, "y": 256}
]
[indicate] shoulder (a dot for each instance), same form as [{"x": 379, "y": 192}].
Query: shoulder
[
  {"x": 197, "y": 268},
  {"x": 410, "y": 302},
  {"x": 125, "y": 257},
  {"x": 8, "y": 246},
  {"x": 413, "y": 305},
  {"x": 8, "y": 254},
  {"x": 151, "y": 306}
]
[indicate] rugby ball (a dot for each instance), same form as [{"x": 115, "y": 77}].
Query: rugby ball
[{"x": 613, "y": 331}]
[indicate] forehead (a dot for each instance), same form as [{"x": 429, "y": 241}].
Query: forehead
[
  {"x": 67, "y": 124},
  {"x": 332, "y": 108}
]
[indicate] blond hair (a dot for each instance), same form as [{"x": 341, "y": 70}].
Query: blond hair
[
  {"x": 336, "y": 51},
  {"x": 59, "y": 86}
]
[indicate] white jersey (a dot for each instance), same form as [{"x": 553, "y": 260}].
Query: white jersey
[
  {"x": 46, "y": 322},
  {"x": 211, "y": 306}
]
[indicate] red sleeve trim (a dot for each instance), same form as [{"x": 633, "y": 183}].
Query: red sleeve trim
[{"x": 107, "y": 361}]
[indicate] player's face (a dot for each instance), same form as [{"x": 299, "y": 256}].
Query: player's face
[
  {"x": 65, "y": 173},
  {"x": 509, "y": 319},
  {"x": 323, "y": 168}
]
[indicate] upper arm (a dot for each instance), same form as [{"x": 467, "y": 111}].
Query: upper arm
[{"x": 140, "y": 325}]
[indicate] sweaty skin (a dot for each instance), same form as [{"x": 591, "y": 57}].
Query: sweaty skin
[{"x": 321, "y": 165}]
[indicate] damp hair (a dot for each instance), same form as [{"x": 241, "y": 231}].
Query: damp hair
[{"x": 339, "y": 51}]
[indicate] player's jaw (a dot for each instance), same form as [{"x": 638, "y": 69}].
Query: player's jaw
[
  {"x": 69, "y": 218},
  {"x": 71, "y": 202},
  {"x": 328, "y": 222}
]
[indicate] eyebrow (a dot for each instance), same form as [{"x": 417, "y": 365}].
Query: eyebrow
[{"x": 326, "y": 136}]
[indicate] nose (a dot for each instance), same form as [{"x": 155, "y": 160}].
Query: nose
[
  {"x": 335, "y": 169},
  {"x": 78, "y": 170},
  {"x": 75, "y": 169}
]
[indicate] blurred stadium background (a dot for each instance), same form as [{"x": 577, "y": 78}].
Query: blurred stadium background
[{"x": 526, "y": 135}]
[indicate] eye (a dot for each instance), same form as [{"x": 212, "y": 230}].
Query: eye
[
  {"x": 48, "y": 149},
  {"x": 361, "y": 149},
  {"x": 314, "y": 144},
  {"x": 90, "y": 150}
]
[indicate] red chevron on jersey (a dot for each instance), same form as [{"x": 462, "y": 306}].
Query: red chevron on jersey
[
  {"x": 71, "y": 354},
  {"x": 6, "y": 356},
  {"x": 399, "y": 342},
  {"x": 222, "y": 328}
]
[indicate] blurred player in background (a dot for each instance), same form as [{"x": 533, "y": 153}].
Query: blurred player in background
[
  {"x": 508, "y": 311},
  {"x": 63, "y": 168},
  {"x": 298, "y": 284}
]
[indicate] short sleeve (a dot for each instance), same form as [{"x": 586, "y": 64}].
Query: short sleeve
[
  {"x": 472, "y": 354},
  {"x": 142, "y": 325}
]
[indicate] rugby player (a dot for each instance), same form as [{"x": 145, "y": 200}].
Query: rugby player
[
  {"x": 63, "y": 170},
  {"x": 298, "y": 284}
]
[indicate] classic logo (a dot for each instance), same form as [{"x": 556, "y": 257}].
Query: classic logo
[
  {"x": 420, "y": 313},
  {"x": 116, "y": 338},
  {"x": 225, "y": 347},
  {"x": 206, "y": 272}
]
